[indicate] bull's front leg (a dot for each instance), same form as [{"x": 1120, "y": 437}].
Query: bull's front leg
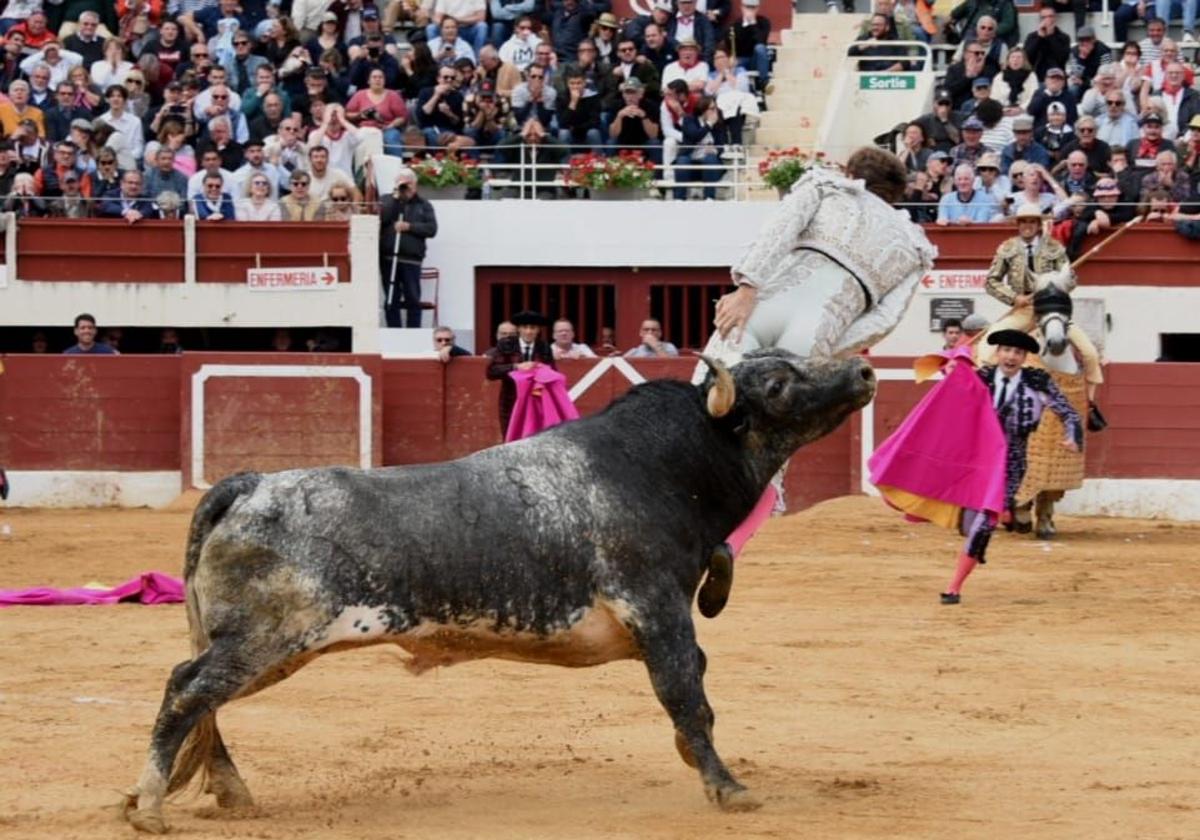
[{"x": 676, "y": 665}]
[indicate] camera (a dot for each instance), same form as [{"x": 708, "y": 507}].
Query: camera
[{"x": 370, "y": 114}]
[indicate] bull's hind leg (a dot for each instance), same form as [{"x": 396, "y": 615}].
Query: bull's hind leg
[
  {"x": 195, "y": 690},
  {"x": 676, "y": 665},
  {"x": 224, "y": 781}
]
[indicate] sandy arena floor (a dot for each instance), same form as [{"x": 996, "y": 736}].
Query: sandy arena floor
[{"x": 1059, "y": 700}]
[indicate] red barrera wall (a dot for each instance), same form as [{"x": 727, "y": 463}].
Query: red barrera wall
[{"x": 134, "y": 414}]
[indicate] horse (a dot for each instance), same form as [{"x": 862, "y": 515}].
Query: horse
[{"x": 1052, "y": 309}]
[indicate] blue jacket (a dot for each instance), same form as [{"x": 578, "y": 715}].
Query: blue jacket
[
  {"x": 1035, "y": 152},
  {"x": 110, "y": 206},
  {"x": 200, "y": 206}
]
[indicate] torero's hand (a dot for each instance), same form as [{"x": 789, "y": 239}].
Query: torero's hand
[
  {"x": 733, "y": 310},
  {"x": 1070, "y": 445},
  {"x": 1021, "y": 301}
]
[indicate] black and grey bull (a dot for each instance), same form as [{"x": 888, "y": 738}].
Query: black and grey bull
[{"x": 580, "y": 546}]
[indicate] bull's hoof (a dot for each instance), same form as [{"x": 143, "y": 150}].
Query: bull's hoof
[
  {"x": 685, "y": 751},
  {"x": 714, "y": 592},
  {"x": 231, "y": 792},
  {"x": 148, "y": 820},
  {"x": 736, "y": 799}
]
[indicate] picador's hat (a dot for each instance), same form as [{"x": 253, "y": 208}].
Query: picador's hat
[
  {"x": 1014, "y": 338},
  {"x": 528, "y": 318}
]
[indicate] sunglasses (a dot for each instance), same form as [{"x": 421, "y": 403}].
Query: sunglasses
[
  {"x": 219, "y": 97},
  {"x": 626, "y": 49},
  {"x": 1087, "y": 131},
  {"x": 241, "y": 43},
  {"x": 259, "y": 184},
  {"x": 537, "y": 75},
  {"x": 200, "y": 55},
  {"x": 212, "y": 186},
  {"x": 444, "y": 340},
  {"x": 1115, "y": 102},
  {"x": 299, "y": 183}
]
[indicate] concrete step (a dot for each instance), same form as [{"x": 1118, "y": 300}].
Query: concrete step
[
  {"x": 798, "y": 98},
  {"x": 782, "y": 136}
]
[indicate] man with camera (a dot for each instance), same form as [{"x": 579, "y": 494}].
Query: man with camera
[{"x": 405, "y": 221}]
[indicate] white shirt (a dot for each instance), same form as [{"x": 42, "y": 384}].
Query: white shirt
[
  {"x": 58, "y": 72},
  {"x": 461, "y": 49},
  {"x": 519, "y": 53},
  {"x": 245, "y": 211},
  {"x": 673, "y": 71},
  {"x": 274, "y": 174},
  {"x": 998, "y": 387},
  {"x": 103, "y": 74},
  {"x": 129, "y": 145},
  {"x": 526, "y": 351},
  {"x": 196, "y": 182}
]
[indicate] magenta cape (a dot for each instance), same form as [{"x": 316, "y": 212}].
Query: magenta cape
[
  {"x": 950, "y": 447},
  {"x": 542, "y": 402},
  {"x": 146, "y": 588}
]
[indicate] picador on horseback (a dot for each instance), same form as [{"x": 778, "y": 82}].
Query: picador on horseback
[{"x": 1031, "y": 273}]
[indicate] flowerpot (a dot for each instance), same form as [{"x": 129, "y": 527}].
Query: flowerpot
[
  {"x": 456, "y": 193},
  {"x": 783, "y": 191},
  {"x": 618, "y": 194}
]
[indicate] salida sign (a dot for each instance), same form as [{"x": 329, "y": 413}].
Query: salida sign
[
  {"x": 317, "y": 279},
  {"x": 939, "y": 282}
]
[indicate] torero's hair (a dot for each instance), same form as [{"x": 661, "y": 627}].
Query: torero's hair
[{"x": 883, "y": 173}]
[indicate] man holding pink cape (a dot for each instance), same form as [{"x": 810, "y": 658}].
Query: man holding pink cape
[{"x": 959, "y": 456}]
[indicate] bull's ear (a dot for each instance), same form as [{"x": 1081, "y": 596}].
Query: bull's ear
[{"x": 722, "y": 394}]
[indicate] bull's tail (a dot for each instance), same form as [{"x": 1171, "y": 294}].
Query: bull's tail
[{"x": 195, "y": 755}]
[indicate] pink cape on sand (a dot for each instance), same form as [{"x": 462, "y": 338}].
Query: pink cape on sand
[
  {"x": 950, "y": 448},
  {"x": 146, "y": 588},
  {"x": 542, "y": 402}
]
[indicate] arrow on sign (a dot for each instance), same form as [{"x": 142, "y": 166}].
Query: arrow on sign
[
  {"x": 328, "y": 279},
  {"x": 927, "y": 281}
]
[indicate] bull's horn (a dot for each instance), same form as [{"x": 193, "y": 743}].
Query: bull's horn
[{"x": 722, "y": 394}]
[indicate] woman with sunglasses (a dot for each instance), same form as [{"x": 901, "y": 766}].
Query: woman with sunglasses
[
  {"x": 338, "y": 206},
  {"x": 257, "y": 205}
]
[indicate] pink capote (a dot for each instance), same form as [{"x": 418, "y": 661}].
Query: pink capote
[
  {"x": 542, "y": 402},
  {"x": 146, "y": 588},
  {"x": 950, "y": 447}
]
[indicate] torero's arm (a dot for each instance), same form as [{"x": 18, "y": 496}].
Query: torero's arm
[
  {"x": 997, "y": 278},
  {"x": 1057, "y": 402}
]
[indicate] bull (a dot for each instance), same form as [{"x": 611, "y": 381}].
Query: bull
[{"x": 582, "y": 545}]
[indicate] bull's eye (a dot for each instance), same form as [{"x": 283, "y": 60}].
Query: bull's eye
[{"x": 774, "y": 389}]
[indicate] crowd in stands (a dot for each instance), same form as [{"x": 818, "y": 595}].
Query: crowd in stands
[
  {"x": 1093, "y": 135},
  {"x": 268, "y": 109}
]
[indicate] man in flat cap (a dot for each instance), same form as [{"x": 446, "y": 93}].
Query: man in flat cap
[
  {"x": 1019, "y": 395},
  {"x": 1013, "y": 278},
  {"x": 523, "y": 351}
]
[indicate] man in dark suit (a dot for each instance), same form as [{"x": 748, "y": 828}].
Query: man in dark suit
[
  {"x": 521, "y": 352},
  {"x": 688, "y": 23},
  {"x": 127, "y": 201}
]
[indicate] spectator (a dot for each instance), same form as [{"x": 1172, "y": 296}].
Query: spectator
[
  {"x": 58, "y": 60},
  {"x": 1054, "y": 91},
  {"x": 129, "y": 202},
  {"x": 443, "y": 344},
  {"x": 170, "y": 205},
  {"x": 941, "y": 125},
  {"x": 39, "y": 344},
  {"x": 981, "y": 91},
  {"x": 749, "y": 38},
  {"x": 257, "y": 164},
  {"x": 952, "y": 331},
  {"x": 257, "y": 206},
  {"x": 65, "y": 159},
  {"x": 168, "y": 341},
  {"x": 1189, "y": 150},
  {"x": 445, "y": 44},
  {"x": 220, "y": 138},
  {"x": 634, "y": 125},
  {"x": 961, "y": 75},
  {"x": 1087, "y": 56},
  {"x": 113, "y": 69},
  {"x": 1181, "y": 100},
  {"x": 1057, "y": 132},
  {"x": 375, "y": 57},
  {"x": 518, "y": 50},
  {"x": 969, "y": 150},
  {"x": 323, "y": 177},
  {"x": 579, "y": 115},
  {"x": 299, "y": 205},
  {"x": 704, "y": 135},
  {"x": 71, "y": 203},
  {"x": 1143, "y": 151},
  {"x": 686, "y": 25},
  {"x": 564, "y": 345},
  {"x": 899, "y": 27},
  {"x": 107, "y": 176},
  {"x": 1107, "y": 212},
  {"x": 607, "y": 346},
  {"x": 989, "y": 181},
  {"x": 533, "y": 98},
  {"x": 24, "y": 200},
  {"x": 213, "y": 203},
  {"x": 470, "y": 18},
  {"x": 1092, "y": 103},
  {"x": 657, "y": 49},
  {"x": 406, "y": 222},
  {"x": 1076, "y": 177},
  {"x": 377, "y": 107},
  {"x": 598, "y": 81},
  {"x": 937, "y": 167},
  {"x": 966, "y": 16},
  {"x": 997, "y": 128},
  {"x": 128, "y": 141},
  {"x": 689, "y": 67},
  {"x": 41, "y": 95},
  {"x": 59, "y": 116},
  {"x": 113, "y": 336},
  {"x": 85, "y": 337},
  {"x": 520, "y": 352},
  {"x": 505, "y": 329},
  {"x": 440, "y": 111},
  {"x": 1047, "y": 46},
  {"x": 1029, "y": 186},
  {"x": 914, "y": 153},
  {"x": 604, "y": 34},
  {"x": 1127, "y": 12},
  {"x": 965, "y": 205},
  {"x": 1117, "y": 126},
  {"x": 86, "y": 41},
  {"x": 873, "y": 40},
  {"x": 1095, "y": 151},
  {"x": 652, "y": 344},
  {"x": 18, "y": 108},
  {"x": 1014, "y": 86},
  {"x": 569, "y": 22},
  {"x": 538, "y": 162},
  {"x": 241, "y": 65},
  {"x": 985, "y": 36},
  {"x": 920, "y": 200},
  {"x": 1023, "y": 147},
  {"x": 484, "y": 119},
  {"x": 1166, "y": 177},
  {"x": 1154, "y": 74},
  {"x": 339, "y": 205},
  {"x": 1151, "y": 47}
]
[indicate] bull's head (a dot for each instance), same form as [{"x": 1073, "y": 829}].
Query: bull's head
[{"x": 778, "y": 401}]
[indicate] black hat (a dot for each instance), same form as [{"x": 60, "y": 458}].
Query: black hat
[
  {"x": 1014, "y": 338},
  {"x": 528, "y": 318}
]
